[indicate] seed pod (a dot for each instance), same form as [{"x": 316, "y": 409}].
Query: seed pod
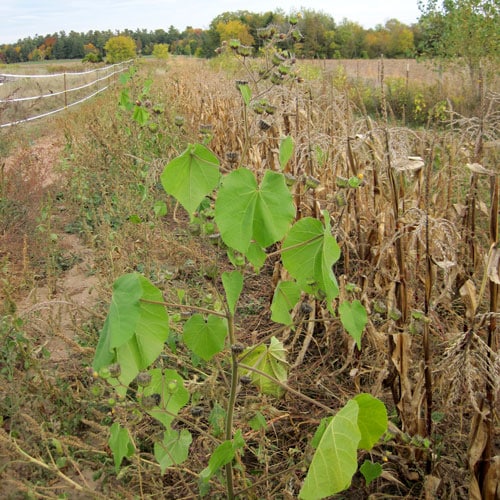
[
  {"x": 380, "y": 307},
  {"x": 263, "y": 125},
  {"x": 277, "y": 59},
  {"x": 305, "y": 307},
  {"x": 244, "y": 50},
  {"x": 284, "y": 69},
  {"x": 196, "y": 411},
  {"x": 149, "y": 402},
  {"x": 143, "y": 379},
  {"x": 114, "y": 370},
  {"x": 395, "y": 314},
  {"x": 237, "y": 348},
  {"x": 312, "y": 182},
  {"x": 172, "y": 386},
  {"x": 245, "y": 379},
  {"x": 342, "y": 182},
  {"x": 231, "y": 156}
]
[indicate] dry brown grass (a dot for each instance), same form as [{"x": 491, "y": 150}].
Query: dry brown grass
[{"x": 407, "y": 225}]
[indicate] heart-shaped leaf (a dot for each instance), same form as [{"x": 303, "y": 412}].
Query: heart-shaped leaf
[
  {"x": 205, "y": 337},
  {"x": 309, "y": 252},
  {"x": 233, "y": 285},
  {"x": 191, "y": 176},
  {"x": 286, "y": 295},
  {"x": 370, "y": 471},
  {"x": 354, "y": 318},
  {"x": 270, "y": 360},
  {"x": 170, "y": 395},
  {"x": 174, "y": 449},
  {"x": 245, "y": 212},
  {"x": 135, "y": 330}
]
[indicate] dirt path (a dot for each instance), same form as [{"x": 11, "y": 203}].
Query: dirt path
[{"x": 55, "y": 311}]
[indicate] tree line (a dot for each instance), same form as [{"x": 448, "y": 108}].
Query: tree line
[{"x": 463, "y": 25}]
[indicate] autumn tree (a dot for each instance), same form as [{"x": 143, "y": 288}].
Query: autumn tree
[
  {"x": 160, "y": 50},
  {"x": 465, "y": 29},
  {"x": 120, "y": 48},
  {"x": 235, "y": 29}
]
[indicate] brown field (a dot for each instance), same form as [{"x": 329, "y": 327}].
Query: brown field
[{"x": 418, "y": 242}]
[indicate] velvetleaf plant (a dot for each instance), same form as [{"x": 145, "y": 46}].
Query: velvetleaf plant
[{"x": 251, "y": 214}]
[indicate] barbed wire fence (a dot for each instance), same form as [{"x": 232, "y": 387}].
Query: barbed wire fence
[{"x": 24, "y": 98}]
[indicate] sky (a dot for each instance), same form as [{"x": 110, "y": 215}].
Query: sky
[{"x": 24, "y": 18}]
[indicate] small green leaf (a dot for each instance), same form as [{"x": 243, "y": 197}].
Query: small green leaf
[
  {"x": 286, "y": 296},
  {"x": 335, "y": 460},
  {"x": 354, "y": 318},
  {"x": 270, "y": 360},
  {"x": 222, "y": 455},
  {"x": 120, "y": 443},
  {"x": 286, "y": 151},
  {"x": 246, "y": 93},
  {"x": 217, "y": 419},
  {"x": 141, "y": 115},
  {"x": 233, "y": 285},
  {"x": 160, "y": 208},
  {"x": 370, "y": 471},
  {"x": 205, "y": 337},
  {"x": 256, "y": 256},
  {"x": 325, "y": 422},
  {"x": 246, "y": 212},
  {"x": 257, "y": 422},
  {"x": 372, "y": 420},
  {"x": 170, "y": 402},
  {"x": 174, "y": 449},
  {"x": 191, "y": 176}
]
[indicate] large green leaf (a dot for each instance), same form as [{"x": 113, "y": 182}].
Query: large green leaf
[
  {"x": 174, "y": 449},
  {"x": 309, "y": 252},
  {"x": 372, "y": 420},
  {"x": 191, "y": 176},
  {"x": 233, "y": 285},
  {"x": 335, "y": 460},
  {"x": 246, "y": 212},
  {"x": 270, "y": 360},
  {"x": 120, "y": 444},
  {"x": 354, "y": 318},
  {"x": 205, "y": 337},
  {"x": 286, "y": 295},
  {"x": 134, "y": 332},
  {"x": 168, "y": 387}
]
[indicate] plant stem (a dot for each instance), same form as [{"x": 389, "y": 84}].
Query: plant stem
[
  {"x": 287, "y": 387},
  {"x": 230, "y": 404},
  {"x": 185, "y": 306}
]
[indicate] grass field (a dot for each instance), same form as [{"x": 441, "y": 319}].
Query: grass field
[{"x": 407, "y": 173}]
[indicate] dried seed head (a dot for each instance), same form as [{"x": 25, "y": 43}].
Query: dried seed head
[
  {"x": 114, "y": 370},
  {"x": 263, "y": 125},
  {"x": 149, "y": 402},
  {"x": 206, "y": 128},
  {"x": 305, "y": 308},
  {"x": 143, "y": 379},
  {"x": 196, "y": 411},
  {"x": 232, "y": 157},
  {"x": 237, "y": 348}
]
